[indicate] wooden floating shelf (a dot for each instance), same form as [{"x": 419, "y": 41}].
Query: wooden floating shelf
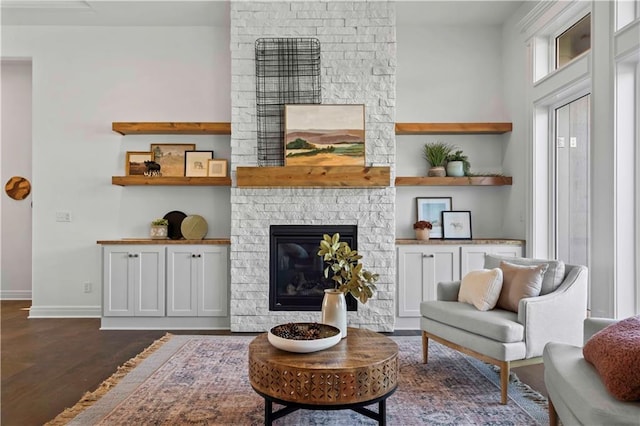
[
  {"x": 170, "y": 181},
  {"x": 453, "y": 181},
  {"x": 313, "y": 177},
  {"x": 168, "y": 128},
  {"x": 452, "y": 128}
]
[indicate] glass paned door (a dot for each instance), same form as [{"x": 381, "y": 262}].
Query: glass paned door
[{"x": 572, "y": 181}]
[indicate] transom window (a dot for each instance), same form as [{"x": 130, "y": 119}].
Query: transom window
[{"x": 573, "y": 42}]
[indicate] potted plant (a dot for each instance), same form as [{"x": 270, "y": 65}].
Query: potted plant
[
  {"x": 422, "y": 228},
  {"x": 159, "y": 229},
  {"x": 458, "y": 164},
  {"x": 349, "y": 276},
  {"x": 436, "y": 154}
]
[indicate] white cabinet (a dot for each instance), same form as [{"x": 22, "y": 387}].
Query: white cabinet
[
  {"x": 472, "y": 256},
  {"x": 133, "y": 281},
  {"x": 197, "y": 281},
  {"x": 420, "y": 269}
]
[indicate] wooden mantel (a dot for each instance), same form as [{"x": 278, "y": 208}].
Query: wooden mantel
[{"x": 313, "y": 177}]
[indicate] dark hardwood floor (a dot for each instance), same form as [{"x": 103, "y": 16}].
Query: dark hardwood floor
[{"x": 48, "y": 364}]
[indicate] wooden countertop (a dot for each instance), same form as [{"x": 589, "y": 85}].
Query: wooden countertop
[
  {"x": 400, "y": 242},
  {"x": 480, "y": 241},
  {"x": 131, "y": 241}
]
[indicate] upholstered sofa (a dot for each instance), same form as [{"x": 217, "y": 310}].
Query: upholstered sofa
[
  {"x": 577, "y": 395},
  {"x": 505, "y": 338}
]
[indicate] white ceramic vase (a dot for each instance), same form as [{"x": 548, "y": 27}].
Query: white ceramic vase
[
  {"x": 334, "y": 310},
  {"x": 455, "y": 168}
]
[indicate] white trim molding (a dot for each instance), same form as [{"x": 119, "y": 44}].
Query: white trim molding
[{"x": 65, "y": 312}]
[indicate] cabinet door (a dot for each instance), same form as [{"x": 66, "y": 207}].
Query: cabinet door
[
  {"x": 420, "y": 269},
  {"x": 149, "y": 281},
  {"x": 117, "y": 282},
  {"x": 182, "y": 293},
  {"x": 213, "y": 283},
  {"x": 472, "y": 256},
  {"x": 133, "y": 281}
]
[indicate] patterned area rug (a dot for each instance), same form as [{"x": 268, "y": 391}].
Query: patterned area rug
[{"x": 202, "y": 380}]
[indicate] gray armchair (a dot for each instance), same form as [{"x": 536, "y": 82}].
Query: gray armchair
[
  {"x": 504, "y": 338},
  {"x": 577, "y": 395}
]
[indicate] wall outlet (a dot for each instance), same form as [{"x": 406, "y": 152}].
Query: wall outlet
[
  {"x": 63, "y": 216},
  {"x": 87, "y": 287}
]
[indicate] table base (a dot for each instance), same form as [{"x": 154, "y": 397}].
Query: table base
[{"x": 290, "y": 407}]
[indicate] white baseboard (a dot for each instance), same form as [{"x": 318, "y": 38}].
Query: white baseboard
[
  {"x": 15, "y": 294},
  {"x": 65, "y": 312}
]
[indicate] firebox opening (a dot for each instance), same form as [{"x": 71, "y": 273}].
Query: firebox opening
[{"x": 296, "y": 280}]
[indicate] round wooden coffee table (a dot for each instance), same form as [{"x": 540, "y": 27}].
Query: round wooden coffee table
[{"x": 360, "y": 370}]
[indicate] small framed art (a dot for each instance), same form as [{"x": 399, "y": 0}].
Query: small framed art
[
  {"x": 430, "y": 209},
  {"x": 134, "y": 165},
  {"x": 196, "y": 163},
  {"x": 456, "y": 225},
  {"x": 217, "y": 168},
  {"x": 170, "y": 156}
]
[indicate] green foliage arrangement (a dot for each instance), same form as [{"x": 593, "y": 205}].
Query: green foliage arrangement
[
  {"x": 436, "y": 153},
  {"x": 160, "y": 222},
  {"x": 348, "y": 273}
]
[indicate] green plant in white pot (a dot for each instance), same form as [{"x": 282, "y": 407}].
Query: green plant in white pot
[
  {"x": 348, "y": 275},
  {"x": 159, "y": 229},
  {"x": 458, "y": 164},
  {"x": 436, "y": 154}
]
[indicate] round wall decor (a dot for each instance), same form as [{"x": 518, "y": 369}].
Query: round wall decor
[
  {"x": 194, "y": 227},
  {"x": 18, "y": 188},
  {"x": 175, "y": 219}
]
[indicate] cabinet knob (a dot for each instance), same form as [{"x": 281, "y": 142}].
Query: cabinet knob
[
  {"x": 135, "y": 255},
  {"x": 193, "y": 255},
  {"x": 427, "y": 255}
]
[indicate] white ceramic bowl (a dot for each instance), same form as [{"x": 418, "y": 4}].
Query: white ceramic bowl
[{"x": 330, "y": 336}]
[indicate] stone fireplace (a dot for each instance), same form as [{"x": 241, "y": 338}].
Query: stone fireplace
[{"x": 358, "y": 55}]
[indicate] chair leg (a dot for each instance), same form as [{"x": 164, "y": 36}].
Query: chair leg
[
  {"x": 425, "y": 348},
  {"x": 504, "y": 381},
  {"x": 553, "y": 414}
]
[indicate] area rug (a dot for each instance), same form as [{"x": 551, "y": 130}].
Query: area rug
[{"x": 203, "y": 380}]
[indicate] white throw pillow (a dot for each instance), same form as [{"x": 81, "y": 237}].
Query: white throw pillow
[{"x": 481, "y": 288}]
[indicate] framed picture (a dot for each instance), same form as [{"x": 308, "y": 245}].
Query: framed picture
[
  {"x": 324, "y": 135},
  {"x": 456, "y": 225},
  {"x": 134, "y": 165},
  {"x": 196, "y": 163},
  {"x": 431, "y": 208},
  {"x": 170, "y": 157},
  {"x": 217, "y": 168}
]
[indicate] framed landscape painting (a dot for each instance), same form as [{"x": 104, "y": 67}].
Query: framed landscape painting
[
  {"x": 430, "y": 209},
  {"x": 170, "y": 156},
  {"x": 324, "y": 135},
  {"x": 134, "y": 166}
]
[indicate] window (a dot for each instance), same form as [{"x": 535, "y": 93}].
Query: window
[
  {"x": 573, "y": 42},
  {"x": 626, "y": 12}
]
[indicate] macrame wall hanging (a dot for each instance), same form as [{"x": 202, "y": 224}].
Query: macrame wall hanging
[{"x": 287, "y": 72}]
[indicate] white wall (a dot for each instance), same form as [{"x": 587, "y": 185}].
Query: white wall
[
  {"x": 15, "y": 152},
  {"x": 453, "y": 73},
  {"x": 84, "y": 78}
]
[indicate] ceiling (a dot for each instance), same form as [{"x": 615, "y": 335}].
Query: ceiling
[{"x": 216, "y": 13}]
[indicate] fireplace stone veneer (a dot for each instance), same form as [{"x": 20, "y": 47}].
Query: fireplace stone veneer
[{"x": 358, "y": 56}]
